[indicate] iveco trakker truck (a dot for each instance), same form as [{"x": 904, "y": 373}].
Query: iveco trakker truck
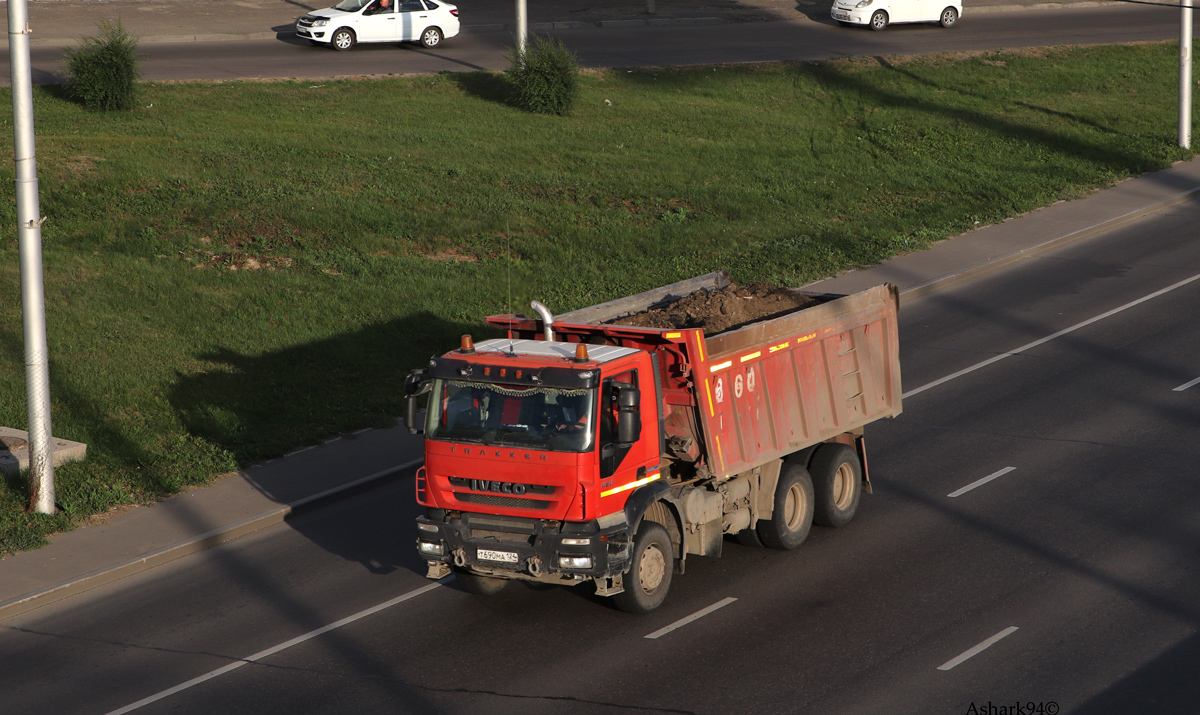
[{"x": 578, "y": 450}]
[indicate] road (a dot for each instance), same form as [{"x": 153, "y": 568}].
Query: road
[
  {"x": 1075, "y": 563},
  {"x": 815, "y": 39}
]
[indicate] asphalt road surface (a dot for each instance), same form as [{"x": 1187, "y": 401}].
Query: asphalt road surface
[
  {"x": 818, "y": 38},
  {"x": 1033, "y": 540}
]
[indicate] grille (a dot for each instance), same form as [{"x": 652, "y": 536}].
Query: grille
[
  {"x": 497, "y": 500},
  {"x": 306, "y": 21}
]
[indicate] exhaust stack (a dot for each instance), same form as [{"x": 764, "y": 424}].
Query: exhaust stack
[{"x": 547, "y": 319}]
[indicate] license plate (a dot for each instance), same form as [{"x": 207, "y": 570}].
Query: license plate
[
  {"x": 841, "y": 16},
  {"x": 508, "y": 557}
]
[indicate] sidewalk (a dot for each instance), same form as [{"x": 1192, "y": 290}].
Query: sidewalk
[
  {"x": 144, "y": 537},
  {"x": 60, "y": 23}
]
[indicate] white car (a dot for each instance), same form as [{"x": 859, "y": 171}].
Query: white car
[
  {"x": 881, "y": 13},
  {"x": 353, "y": 21}
]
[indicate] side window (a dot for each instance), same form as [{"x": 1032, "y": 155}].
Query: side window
[
  {"x": 429, "y": 4},
  {"x": 610, "y": 456},
  {"x": 411, "y": 6}
]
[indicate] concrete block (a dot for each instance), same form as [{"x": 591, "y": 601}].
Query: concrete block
[{"x": 14, "y": 451}]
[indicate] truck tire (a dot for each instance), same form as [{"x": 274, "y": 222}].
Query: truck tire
[
  {"x": 837, "y": 484},
  {"x": 649, "y": 575},
  {"x": 792, "y": 515},
  {"x": 478, "y": 585}
]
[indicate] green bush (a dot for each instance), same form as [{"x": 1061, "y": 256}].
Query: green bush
[
  {"x": 103, "y": 70},
  {"x": 546, "y": 78}
]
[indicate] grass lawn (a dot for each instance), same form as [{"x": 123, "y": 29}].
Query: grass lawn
[{"x": 235, "y": 270}]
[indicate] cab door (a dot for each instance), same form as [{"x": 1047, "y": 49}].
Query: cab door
[
  {"x": 379, "y": 23},
  {"x": 625, "y": 466}
]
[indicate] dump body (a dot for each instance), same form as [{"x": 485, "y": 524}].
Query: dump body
[{"x": 765, "y": 390}]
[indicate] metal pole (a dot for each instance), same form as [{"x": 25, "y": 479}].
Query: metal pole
[
  {"x": 29, "y": 242},
  {"x": 1185, "y": 74},
  {"x": 522, "y": 29}
]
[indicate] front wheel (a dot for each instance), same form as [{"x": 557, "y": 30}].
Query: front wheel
[
  {"x": 792, "y": 515},
  {"x": 343, "y": 39},
  {"x": 478, "y": 585},
  {"x": 879, "y": 20},
  {"x": 949, "y": 17},
  {"x": 649, "y": 575},
  {"x": 432, "y": 37}
]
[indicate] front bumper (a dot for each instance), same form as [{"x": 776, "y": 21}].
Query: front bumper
[
  {"x": 320, "y": 34},
  {"x": 851, "y": 15},
  {"x": 529, "y": 549}
]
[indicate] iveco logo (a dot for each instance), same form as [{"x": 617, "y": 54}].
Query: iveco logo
[{"x": 483, "y": 485}]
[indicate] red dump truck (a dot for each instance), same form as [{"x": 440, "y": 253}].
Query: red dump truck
[{"x": 578, "y": 450}]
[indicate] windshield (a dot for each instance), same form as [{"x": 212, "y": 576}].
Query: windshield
[
  {"x": 532, "y": 417},
  {"x": 351, "y": 5}
]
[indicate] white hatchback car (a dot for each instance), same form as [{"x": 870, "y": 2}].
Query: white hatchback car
[
  {"x": 881, "y": 13},
  {"x": 353, "y": 21}
]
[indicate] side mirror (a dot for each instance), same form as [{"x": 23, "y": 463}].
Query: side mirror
[
  {"x": 414, "y": 387},
  {"x": 629, "y": 415}
]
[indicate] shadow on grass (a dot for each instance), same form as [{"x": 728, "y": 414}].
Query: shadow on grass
[
  {"x": 260, "y": 406},
  {"x": 489, "y": 86}
]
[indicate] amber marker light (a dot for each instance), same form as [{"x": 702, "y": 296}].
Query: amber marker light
[
  {"x": 581, "y": 354},
  {"x": 467, "y": 345}
]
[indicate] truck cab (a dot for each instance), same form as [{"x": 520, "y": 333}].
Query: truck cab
[{"x": 532, "y": 450}]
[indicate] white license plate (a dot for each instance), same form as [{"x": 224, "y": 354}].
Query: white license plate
[
  {"x": 841, "y": 15},
  {"x": 508, "y": 557}
]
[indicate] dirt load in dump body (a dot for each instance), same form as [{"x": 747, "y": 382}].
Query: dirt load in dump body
[{"x": 722, "y": 309}]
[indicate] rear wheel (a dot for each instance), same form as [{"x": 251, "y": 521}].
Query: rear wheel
[
  {"x": 432, "y": 37},
  {"x": 649, "y": 575},
  {"x": 343, "y": 39},
  {"x": 879, "y": 20},
  {"x": 837, "y": 484},
  {"x": 792, "y": 515},
  {"x": 949, "y": 17},
  {"x": 479, "y": 585}
]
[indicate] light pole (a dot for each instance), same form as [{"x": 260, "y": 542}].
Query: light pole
[
  {"x": 29, "y": 242},
  {"x": 522, "y": 29},
  {"x": 1185, "y": 74}
]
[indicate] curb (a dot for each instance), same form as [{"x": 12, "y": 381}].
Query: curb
[
  {"x": 193, "y": 545},
  {"x": 992, "y": 265}
]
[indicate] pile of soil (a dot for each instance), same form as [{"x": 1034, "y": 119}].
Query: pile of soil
[{"x": 716, "y": 311}]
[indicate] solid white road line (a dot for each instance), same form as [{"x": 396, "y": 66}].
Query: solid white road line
[
  {"x": 1186, "y": 385},
  {"x": 1048, "y": 338},
  {"x": 282, "y": 646},
  {"x": 981, "y": 482},
  {"x": 978, "y": 649},
  {"x": 684, "y": 621}
]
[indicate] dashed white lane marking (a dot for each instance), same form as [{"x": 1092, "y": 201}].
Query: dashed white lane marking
[
  {"x": 1186, "y": 385},
  {"x": 282, "y": 646},
  {"x": 981, "y": 482},
  {"x": 684, "y": 621},
  {"x": 978, "y": 649},
  {"x": 1048, "y": 338}
]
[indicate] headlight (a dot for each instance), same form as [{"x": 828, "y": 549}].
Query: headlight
[
  {"x": 576, "y": 542},
  {"x": 863, "y": 3},
  {"x": 430, "y": 548},
  {"x": 320, "y": 23},
  {"x": 574, "y": 562}
]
